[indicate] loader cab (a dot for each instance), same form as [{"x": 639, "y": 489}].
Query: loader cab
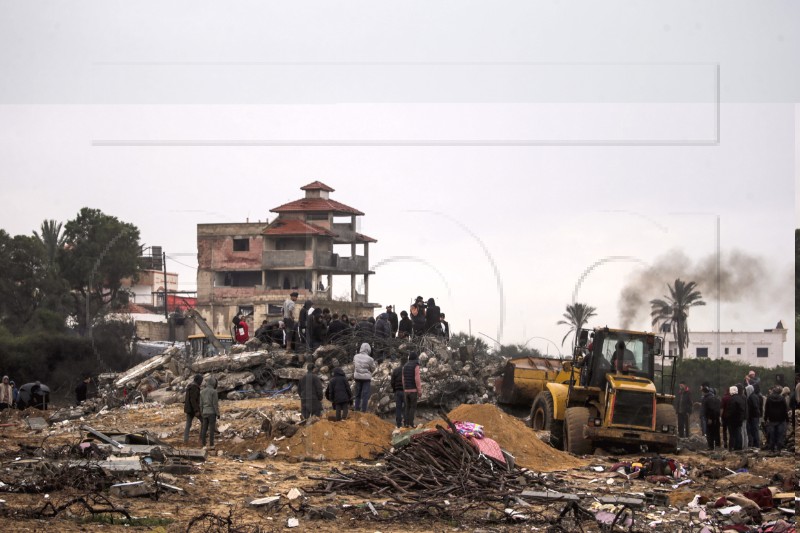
[
  {"x": 200, "y": 346},
  {"x": 621, "y": 352}
]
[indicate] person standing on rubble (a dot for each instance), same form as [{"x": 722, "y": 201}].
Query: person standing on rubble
[
  {"x": 339, "y": 393},
  {"x": 310, "y": 390},
  {"x": 191, "y": 405},
  {"x": 6, "y": 394},
  {"x": 775, "y": 415},
  {"x": 209, "y": 408},
  {"x": 445, "y": 328},
  {"x": 418, "y": 317},
  {"x": 432, "y": 314},
  {"x": 412, "y": 388},
  {"x": 288, "y": 320},
  {"x": 82, "y": 390},
  {"x": 405, "y": 328},
  {"x": 684, "y": 408},
  {"x": 383, "y": 332},
  {"x": 242, "y": 331},
  {"x": 726, "y": 402},
  {"x": 363, "y": 367},
  {"x": 754, "y": 413},
  {"x": 737, "y": 411},
  {"x": 393, "y": 320},
  {"x": 711, "y": 412},
  {"x": 399, "y": 393}
]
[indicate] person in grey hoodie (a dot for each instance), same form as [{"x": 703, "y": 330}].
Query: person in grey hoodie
[
  {"x": 363, "y": 367},
  {"x": 209, "y": 408}
]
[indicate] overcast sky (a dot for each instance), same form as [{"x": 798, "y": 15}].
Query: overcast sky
[{"x": 503, "y": 153}]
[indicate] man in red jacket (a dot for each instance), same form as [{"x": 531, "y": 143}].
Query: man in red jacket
[{"x": 242, "y": 331}]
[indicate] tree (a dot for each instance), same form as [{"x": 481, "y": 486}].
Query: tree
[
  {"x": 576, "y": 316},
  {"x": 99, "y": 252},
  {"x": 674, "y": 310},
  {"x": 51, "y": 238},
  {"x": 23, "y": 269},
  {"x": 517, "y": 350}
]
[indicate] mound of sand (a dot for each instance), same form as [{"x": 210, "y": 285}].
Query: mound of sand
[
  {"x": 513, "y": 436},
  {"x": 361, "y": 436}
]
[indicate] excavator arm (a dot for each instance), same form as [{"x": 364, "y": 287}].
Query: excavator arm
[{"x": 203, "y": 325}]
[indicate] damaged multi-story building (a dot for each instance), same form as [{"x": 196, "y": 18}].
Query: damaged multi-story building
[{"x": 250, "y": 268}]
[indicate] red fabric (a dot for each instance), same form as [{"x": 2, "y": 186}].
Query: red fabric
[
  {"x": 488, "y": 447},
  {"x": 242, "y": 332}
]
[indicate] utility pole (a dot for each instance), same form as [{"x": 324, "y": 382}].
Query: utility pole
[{"x": 164, "y": 264}]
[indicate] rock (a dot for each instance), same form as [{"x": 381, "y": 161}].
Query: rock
[
  {"x": 230, "y": 381},
  {"x": 238, "y": 348},
  {"x": 290, "y": 373}
]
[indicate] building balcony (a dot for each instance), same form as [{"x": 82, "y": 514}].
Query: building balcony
[{"x": 326, "y": 262}]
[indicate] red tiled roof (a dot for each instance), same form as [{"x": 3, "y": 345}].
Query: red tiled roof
[
  {"x": 364, "y": 238},
  {"x": 307, "y": 205},
  {"x": 316, "y": 186},
  {"x": 295, "y": 227}
]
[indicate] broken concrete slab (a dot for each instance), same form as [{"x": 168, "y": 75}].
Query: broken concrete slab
[
  {"x": 233, "y": 362},
  {"x": 230, "y": 381},
  {"x": 144, "y": 368},
  {"x": 103, "y": 437},
  {"x": 549, "y": 495},
  {"x": 290, "y": 373},
  {"x": 259, "y": 502},
  {"x": 36, "y": 423},
  {"x": 68, "y": 413},
  {"x": 132, "y": 489}
]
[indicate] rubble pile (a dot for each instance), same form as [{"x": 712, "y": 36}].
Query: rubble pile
[
  {"x": 515, "y": 437},
  {"x": 435, "y": 464},
  {"x": 449, "y": 377},
  {"x": 360, "y": 436}
]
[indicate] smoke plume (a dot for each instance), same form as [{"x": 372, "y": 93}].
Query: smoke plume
[{"x": 741, "y": 277}]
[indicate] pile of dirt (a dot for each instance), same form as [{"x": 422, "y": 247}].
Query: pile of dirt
[
  {"x": 513, "y": 436},
  {"x": 361, "y": 436}
]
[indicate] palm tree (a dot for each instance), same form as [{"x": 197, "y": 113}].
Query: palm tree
[
  {"x": 576, "y": 317},
  {"x": 674, "y": 310},
  {"x": 52, "y": 238}
]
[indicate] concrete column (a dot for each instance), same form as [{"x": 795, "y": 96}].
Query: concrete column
[
  {"x": 330, "y": 286},
  {"x": 366, "y": 288},
  {"x": 314, "y": 282},
  {"x": 352, "y": 287}
]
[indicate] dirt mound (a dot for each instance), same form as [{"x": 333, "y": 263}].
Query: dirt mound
[
  {"x": 361, "y": 436},
  {"x": 513, "y": 436}
]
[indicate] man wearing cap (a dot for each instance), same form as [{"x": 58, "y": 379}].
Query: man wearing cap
[
  {"x": 288, "y": 319},
  {"x": 393, "y": 320}
]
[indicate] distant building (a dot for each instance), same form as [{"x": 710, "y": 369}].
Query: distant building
[
  {"x": 760, "y": 348},
  {"x": 250, "y": 268}
]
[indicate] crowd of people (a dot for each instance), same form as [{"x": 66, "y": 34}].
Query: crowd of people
[
  {"x": 28, "y": 395},
  {"x": 306, "y": 327},
  {"x": 741, "y": 416}
]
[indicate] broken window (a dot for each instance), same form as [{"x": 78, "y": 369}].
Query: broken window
[
  {"x": 245, "y": 310},
  {"x": 237, "y": 279},
  {"x": 241, "y": 245}
]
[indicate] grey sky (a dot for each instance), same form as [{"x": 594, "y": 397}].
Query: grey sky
[{"x": 614, "y": 115}]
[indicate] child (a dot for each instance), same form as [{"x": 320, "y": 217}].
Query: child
[{"x": 339, "y": 393}]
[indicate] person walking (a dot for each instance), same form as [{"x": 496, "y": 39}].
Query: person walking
[
  {"x": 412, "y": 388},
  {"x": 363, "y": 367},
  {"x": 339, "y": 393},
  {"x": 191, "y": 405},
  {"x": 310, "y": 390},
  {"x": 711, "y": 412},
  {"x": 737, "y": 411},
  {"x": 399, "y": 393},
  {"x": 776, "y": 417},
  {"x": 684, "y": 409},
  {"x": 209, "y": 408}
]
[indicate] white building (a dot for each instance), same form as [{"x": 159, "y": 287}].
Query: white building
[{"x": 758, "y": 348}]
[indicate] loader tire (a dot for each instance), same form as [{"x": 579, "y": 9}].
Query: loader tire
[
  {"x": 666, "y": 416},
  {"x": 575, "y": 420},
  {"x": 542, "y": 418}
]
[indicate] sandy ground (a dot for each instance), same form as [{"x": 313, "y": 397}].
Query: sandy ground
[{"x": 227, "y": 481}]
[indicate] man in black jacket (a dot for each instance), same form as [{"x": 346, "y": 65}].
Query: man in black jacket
[
  {"x": 405, "y": 328},
  {"x": 775, "y": 415},
  {"x": 336, "y": 329},
  {"x": 737, "y": 411},
  {"x": 683, "y": 406},
  {"x": 711, "y": 412},
  {"x": 754, "y": 413},
  {"x": 432, "y": 312},
  {"x": 191, "y": 405},
  {"x": 310, "y": 390},
  {"x": 392, "y": 317},
  {"x": 399, "y": 395}
]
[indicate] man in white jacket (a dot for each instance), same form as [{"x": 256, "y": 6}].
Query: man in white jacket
[{"x": 363, "y": 367}]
